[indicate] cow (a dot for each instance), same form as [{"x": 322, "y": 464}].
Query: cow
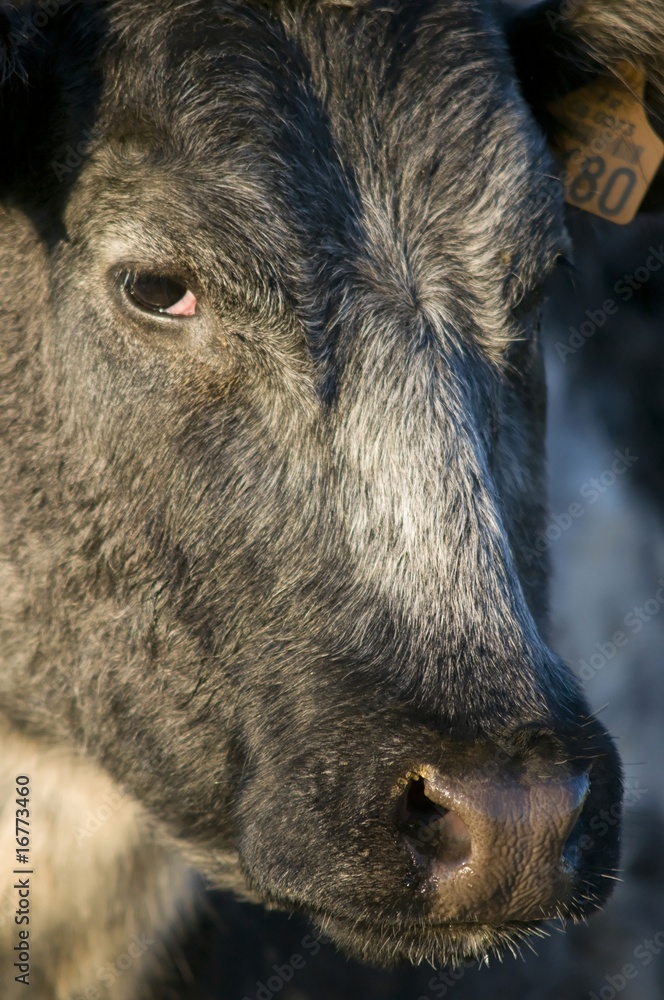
[{"x": 272, "y": 466}]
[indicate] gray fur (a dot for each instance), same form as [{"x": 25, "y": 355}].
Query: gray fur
[{"x": 258, "y": 567}]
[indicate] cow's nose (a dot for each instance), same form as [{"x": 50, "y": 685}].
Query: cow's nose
[{"x": 494, "y": 852}]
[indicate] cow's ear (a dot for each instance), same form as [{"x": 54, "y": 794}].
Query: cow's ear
[{"x": 566, "y": 47}]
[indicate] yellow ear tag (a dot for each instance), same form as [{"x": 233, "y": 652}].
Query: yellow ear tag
[{"x": 609, "y": 150}]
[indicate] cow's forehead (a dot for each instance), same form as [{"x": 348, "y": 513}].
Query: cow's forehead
[
  {"x": 437, "y": 85},
  {"x": 323, "y": 115}
]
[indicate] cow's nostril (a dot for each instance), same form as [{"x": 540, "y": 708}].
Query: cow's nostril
[
  {"x": 495, "y": 850},
  {"x": 432, "y": 830}
]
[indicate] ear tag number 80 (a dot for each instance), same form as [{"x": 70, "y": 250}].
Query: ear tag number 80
[{"x": 609, "y": 151}]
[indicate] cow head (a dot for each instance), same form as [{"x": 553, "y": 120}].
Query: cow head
[{"x": 273, "y": 415}]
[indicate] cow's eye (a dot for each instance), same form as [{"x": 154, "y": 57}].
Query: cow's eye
[{"x": 158, "y": 293}]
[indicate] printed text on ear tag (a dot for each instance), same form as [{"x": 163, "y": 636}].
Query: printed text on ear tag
[{"x": 609, "y": 150}]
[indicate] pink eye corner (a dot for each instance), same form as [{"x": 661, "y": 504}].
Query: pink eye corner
[
  {"x": 160, "y": 294},
  {"x": 186, "y": 306}
]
